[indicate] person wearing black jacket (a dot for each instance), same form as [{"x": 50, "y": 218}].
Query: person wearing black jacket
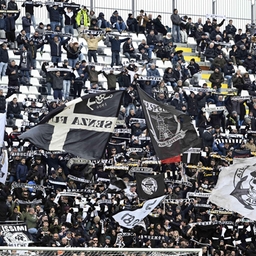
[
  {"x": 152, "y": 40},
  {"x": 228, "y": 70},
  {"x": 70, "y": 20},
  {"x": 29, "y": 8},
  {"x": 22, "y": 38},
  {"x": 67, "y": 77},
  {"x": 159, "y": 27},
  {"x": 10, "y": 26},
  {"x": 4, "y": 59},
  {"x": 5, "y": 210},
  {"x": 55, "y": 45},
  {"x": 2, "y": 102},
  {"x": 13, "y": 78},
  {"x": 33, "y": 49},
  {"x": 195, "y": 70}
]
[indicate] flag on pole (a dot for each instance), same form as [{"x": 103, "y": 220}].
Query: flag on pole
[
  {"x": 236, "y": 188},
  {"x": 82, "y": 126},
  {"x": 130, "y": 219},
  {"x": 171, "y": 131},
  {"x": 150, "y": 186}
]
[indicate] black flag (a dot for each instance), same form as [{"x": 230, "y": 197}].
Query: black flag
[
  {"x": 82, "y": 126},
  {"x": 171, "y": 131},
  {"x": 150, "y": 186}
]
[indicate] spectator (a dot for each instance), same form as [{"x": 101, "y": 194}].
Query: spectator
[
  {"x": 57, "y": 84},
  {"x": 132, "y": 24},
  {"x": 159, "y": 27},
  {"x": 54, "y": 13},
  {"x": 176, "y": 21},
  {"x": 250, "y": 64},
  {"x": 129, "y": 51},
  {"x": 2, "y": 26},
  {"x": 73, "y": 52},
  {"x": 102, "y": 22},
  {"x": 2, "y": 102},
  {"x": 13, "y": 109},
  {"x": 231, "y": 29},
  {"x": 111, "y": 79},
  {"x": 26, "y": 23},
  {"x": 216, "y": 78},
  {"x": 70, "y": 20},
  {"x": 229, "y": 70},
  {"x": 13, "y": 78},
  {"x": 117, "y": 22},
  {"x": 142, "y": 20},
  {"x": 4, "y": 59},
  {"x": 115, "y": 49},
  {"x": 10, "y": 26},
  {"x": 82, "y": 20},
  {"x": 92, "y": 43}
]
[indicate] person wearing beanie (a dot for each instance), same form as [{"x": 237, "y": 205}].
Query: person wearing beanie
[
  {"x": 132, "y": 24},
  {"x": 26, "y": 23},
  {"x": 117, "y": 22}
]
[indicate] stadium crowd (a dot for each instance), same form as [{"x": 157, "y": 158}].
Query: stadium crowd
[{"x": 85, "y": 219}]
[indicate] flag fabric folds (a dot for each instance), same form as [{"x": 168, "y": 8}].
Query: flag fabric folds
[
  {"x": 191, "y": 156},
  {"x": 171, "y": 131},
  {"x": 82, "y": 126},
  {"x": 236, "y": 188},
  {"x": 116, "y": 184},
  {"x": 130, "y": 219},
  {"x": 150, "y": 186}
]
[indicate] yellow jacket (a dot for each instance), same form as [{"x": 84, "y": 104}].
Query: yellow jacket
[
  {"x": 92, "y": 43},
  {"x": 79, "y": 18}
]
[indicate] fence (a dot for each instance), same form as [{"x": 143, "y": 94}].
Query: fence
[
  {"x": 54, "y": 251},
  {"x": 241, "y": 11}
]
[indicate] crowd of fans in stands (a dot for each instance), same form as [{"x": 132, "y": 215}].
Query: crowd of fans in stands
[{"x": 82, "y": 221}]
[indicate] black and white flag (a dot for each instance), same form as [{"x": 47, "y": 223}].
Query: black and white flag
[
  {"x": 81, "y": 127},
  {"x": 15, "y": 234},
  {"x": 236, "y": 188},
  {"x": 191, "y": 156},
  {"x": 150, "y": 186},
  {"x": 116, "y": 184},
  {"x": 130, "y": 219},
  {"x": 171, "y": 131}
]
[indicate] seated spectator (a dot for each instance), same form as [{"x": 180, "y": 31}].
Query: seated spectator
[
  {"x": 129, "y": 51},
  {"x": 250, "y": 64},
  {"x": 159, "y": 27},
  {"x": 231, "y": 29},
  {"x": 218, "y": 62},
  {"x": 132, "y": 24},
  {"x": 233, "y": 54},
  {"x": 242, "y": 54},
  {"x": 238, "y": 81},
  {"x": 216, "y": 78},
  {"x": 210, "y": 52},
  {"x": 195, "y": 72},
  {"x": 142, "y": 20},
  {"x": 117, "y": 22},
  {"x": 102, "y": 22},
  {"x": 169, "y": 78},
  {"x": 228, "y": 71},
  {"x": 216, "y": 32},
  {"x": 13, "y": 109}
]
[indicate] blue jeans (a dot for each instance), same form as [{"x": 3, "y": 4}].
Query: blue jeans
[
  {"x": 49, "y": 86},
  {"x": 34, "y": 63},
  {"x": 149, "y": 51},
  {"x": 128, "y": 108},
  {"x": 57, "y": 94},
  {"x": 66, "y": 88},
  {"x": 115, "y": 58},
  {"x": 32, "y": 231},
  {"x": 54, "y": 24},
  {"x": 69, "y": 29},
  {"x": 120, "y": 26},
  {"x": 25, "y": 74},
  {"x": 3, "y": 67},
  {"x": 176, "y": 33},
  {"x": 229, "y": 79},
  {"x": 72, "y": 62},
  {"x": 33, "y": 21},
  {"x": 103, "y": 24},
  {"x": 56, "y": 59},
  {"x": 18, "y": 116}
]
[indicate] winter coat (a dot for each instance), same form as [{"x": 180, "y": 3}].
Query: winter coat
[
  {"x": 71, "y": 53},
  {"x": 249, "y": 64},
  {"x": 10, "y": 22},
  {"x": 25, "y": 60},
  {"x": 114, "y": 19},
  {"x": 209, "y": 53},
  {"x": 10, "y": 69},
  {"x": 115, "y": 44},
  {"x": 111, "y": 79},
  {"x": 228, "y": 69},
  {"x": 54, "y": 14},
  {"x": 80, "y": 14},
  {"x": 175, "y": 18},
  {"x": 159, "y": 27},
  {"x": 21, "y": 172},
  {"x": 92, "y": 43},
  {"x": 26, "y": 23},
  {"x": 57, "y": 82},
  {"x": 2, "y": 104},
  {"x": 56, "y": 48},
  {"x": 216, "y": 78},
  {"x": 4, "y": 57}
]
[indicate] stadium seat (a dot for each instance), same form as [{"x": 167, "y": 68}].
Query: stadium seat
[
  {"x": 33, "y": 90},
  {"x": 24, "y": 89}
]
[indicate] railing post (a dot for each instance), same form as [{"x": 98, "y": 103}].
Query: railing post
[
  {"x": 92, "y": 5},
  {"x": 214, "y": 6},
  {"x": 252, "y": 11},
  {"x": 133, "y": 8}
]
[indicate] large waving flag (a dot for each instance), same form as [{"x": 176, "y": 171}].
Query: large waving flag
[
  {"x": 171, "y": 131},
  {"x": 81, "y": 127},
  {"x": 236, "y": 188},
  {"x": 130, "y": 219}
]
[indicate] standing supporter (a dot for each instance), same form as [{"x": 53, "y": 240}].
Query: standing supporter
[
  {"x": 26, "y": 23},
  {"x": 129, "y": 51},
  {"x": 78, "y": 81},
  {"x": 216, "y": 78},
  {"x": 2, "y": 102},
  {"x": 57, "y": 84},
  {"x": 22, "y": 38},
  {"x": 55, "y": 45},
  {"x": 82, "y": 19},
  {"x": 70, "y": 20},
  {"x": 4, "y": 59},
  {"x": 111, "y": 79},
  {"x": 176, "y": 21},
  {"x": 32, "y": 47},
  {"x": 29, "y": 8},
  {"x": 25, "y": 64},
  {"x": 13, "y": 78},
  {"x": 73, "y": 52},
  {"x": 67, "y": 77},
  {"x": 92, "y": 43},
  {"x": 10, "y": 26},
  {"x": 115, "y": 49},
  {"x": 54, "y": 13},
  {"x": 2, "y": 26},
  {"x": 151, "y": 40}
]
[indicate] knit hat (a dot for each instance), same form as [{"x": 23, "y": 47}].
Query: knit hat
[
  {"x": 28, "y": 14},
  {"x": 108, "y": 238}
]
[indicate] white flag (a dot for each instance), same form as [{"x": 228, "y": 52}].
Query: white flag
[
  {"x": 236, "y": 188},
  {"x": 130, "y": 219}
]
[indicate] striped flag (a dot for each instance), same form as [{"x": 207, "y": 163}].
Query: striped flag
[{"x": 81, "y": 127}]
